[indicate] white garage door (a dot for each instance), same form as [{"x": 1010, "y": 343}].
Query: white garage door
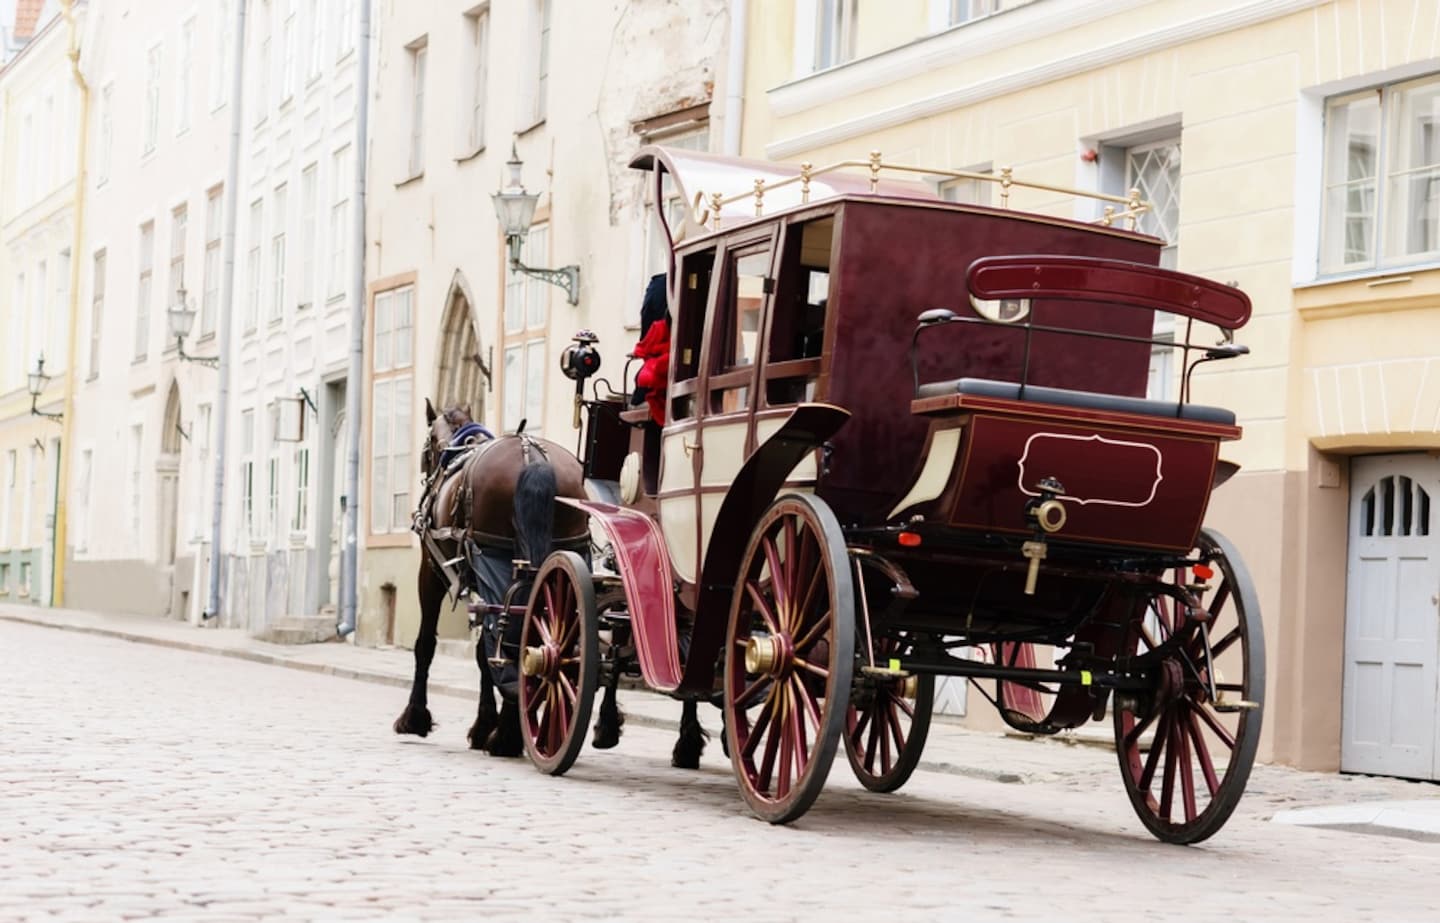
[{"x": 1392, "y": 618}]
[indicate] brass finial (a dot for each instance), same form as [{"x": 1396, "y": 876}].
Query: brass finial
[
  {"x": 1109, "y": 218},
  {"x": 1132, "y": 219},
  {"x": 1005, "y": 182},
  {"x": 759, "y": 197},
  {"x": 715, "y": 199},
  {"x": 874, "y": 171},
  {"x": 805, "y": 167}
]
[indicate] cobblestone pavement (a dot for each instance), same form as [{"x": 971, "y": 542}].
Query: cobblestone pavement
[{"x": 153, "y": 783}]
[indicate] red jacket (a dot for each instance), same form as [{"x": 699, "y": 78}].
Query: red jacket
[{"x": 654, "y": 374}]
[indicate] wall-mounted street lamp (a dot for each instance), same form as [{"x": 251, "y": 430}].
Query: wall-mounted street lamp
[
  {"x": 182, "y": 321},
  {"x": 35, "y": 383},
  {"x": 516, "y": 209}
]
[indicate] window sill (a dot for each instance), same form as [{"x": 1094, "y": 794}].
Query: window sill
[
  {"x": 334, "y": 299},
  {"x": 205, "y": 337},
  {"x": 466, "y": 158},
  {"x": 304, "y": 306},
  {"x": 413, "y": 179},
  {"x": 138, "y": 360},
  {"x": 525, "y": 131},
  {"x": 275, "y": 322},
  {"x": 1369, "y": 292}
]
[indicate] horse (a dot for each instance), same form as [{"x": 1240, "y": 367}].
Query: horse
[{"x": 503, "y": 499}]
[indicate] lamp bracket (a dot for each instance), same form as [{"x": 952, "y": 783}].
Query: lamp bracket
[
  {"x": 566, "y": 277},
  {"x": 211, "y": 362}
]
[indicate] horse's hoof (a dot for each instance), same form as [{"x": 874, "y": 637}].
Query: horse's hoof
[
  {"x": 607, "y": 730},
  {"x": 505, "y": 745},
  {"x": 686, "y": 754},
  {"x": 414, "y": 720},
  {"x": 479, "y": 734}
]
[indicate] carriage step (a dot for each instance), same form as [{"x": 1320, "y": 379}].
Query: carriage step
[{"x": 1234, "y": 705}]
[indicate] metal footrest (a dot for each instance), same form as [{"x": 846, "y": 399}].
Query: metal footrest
[{"x": 1234, "y": 705}]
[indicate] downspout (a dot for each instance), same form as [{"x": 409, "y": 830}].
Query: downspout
[
  {"x": 354, "y": 380},
  {"x": 227, "y": 306},
  {"x": 735, "y": 75},
  {"x": 72, "y": 348}
]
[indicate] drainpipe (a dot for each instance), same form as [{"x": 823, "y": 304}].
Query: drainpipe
[
  {"x": 735, "y": 75},
  {"x": 354, "y": 379},
  {"x": 227, "y": 303},
  {"x": 72, "y": 348}
]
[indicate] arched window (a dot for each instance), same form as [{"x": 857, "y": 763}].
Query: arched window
[
  {"x": 1397, "y": 507},
  {"x": 461, "y": 373}
]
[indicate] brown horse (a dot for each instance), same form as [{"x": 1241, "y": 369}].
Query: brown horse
[{"x": 503, "y": 500}]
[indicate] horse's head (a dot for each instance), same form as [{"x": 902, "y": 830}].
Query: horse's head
[{"x": 443, "y": 427}]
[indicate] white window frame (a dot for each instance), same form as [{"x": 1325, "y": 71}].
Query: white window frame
[
  {"x": 475, "y": 78},
  {"x": 525, "y": 324},
  {"x": 150, "y": 121},
  {"x": 221, "y": 55},
  {"x": 210, "y": 284},
  {"x": 107, "y": 134},
  {"x": 179, "y": 225},
  {"x": 315, "y": 52},
  {"x": 253, "y": 266},
  {"x": 144, "y": 290},
  {"x": 278, "y": 210},
  {"x": 537, "y": 80},
  {"x": 289, "y": 48},
  {"x": 80, "y": 515},
  {"x": 97, "y": 309},
  {"x": 309, "y": 189},
  {"x": 392, "y": 405},
  {"x": 134, "y": 483},
  {"x": 300, "y": 520},
  {"x": 419, "y": 53},
  {"x": 338, "y": 280},
  {"x": 184, "y": 64},
  {"x": 247, "y": 471}
]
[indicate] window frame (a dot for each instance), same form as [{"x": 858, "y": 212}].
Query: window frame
[
  {"x": 145, "y": 290},
  {"x": 210, "y": 284},
  {"x": 530, "y": 297},
  {"x": 386, "y": 371}
]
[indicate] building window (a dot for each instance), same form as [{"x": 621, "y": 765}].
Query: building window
[
  {"x": 277, "y": 255},
  {"x": 132, "y": 487},
  {"x": 301, "y": 520},
  {"x": 316, "y": 52},
  {"x": 178, "y": 221},
  {"x": 1382, "y": 177},
  {"x": 220, "y": 55},
  {"x": 308, "y": 181},
  {"x": 81, "y": 514},
  {"x": 34, "y": 461},
  {"x": 56, "y": 326},
  {"x": 11, "y": 461},
  {"x": 262, "y": 63},
  {"x": 184, "y": 61},
  {"x": 107, "y": 134},
  {"x": 252, "y": 266},
  {"x": 289, "y": 39},
  {"x": 247, "y": 470},
  {"x": 967, "y": 10},
  {"x": 152, "y": 99},
  {"x": 391, "y": 441},
  {"x": 347, "y": 24},
  {"x": 142, "y": 298},
  {"x": 477, "y": 27},
  {"x": 272, "y": 498},
  {"x": 540, "y": 58},
  {"x": 339, "y": 219},
  {"x": 969, "y": 191},
  {"x": 97, "y": 312},
  {"x": 38, "y": 309},
  {"x": 526, "y": 323},
  {"x": 418, "y": 54},
  {"x": 210, "y": 301},
  {"x": 834, "y": 32}
]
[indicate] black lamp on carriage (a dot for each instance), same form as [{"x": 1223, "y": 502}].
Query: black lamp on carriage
[
  {"x": 35, "y": 383},
  {"x": 515, "y": 208},
  {"x": 182, "y": 320}
]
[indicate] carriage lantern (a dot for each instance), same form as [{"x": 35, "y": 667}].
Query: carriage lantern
[{"x": 515, "y": 209}]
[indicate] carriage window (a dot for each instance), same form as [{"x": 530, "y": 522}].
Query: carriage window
[
  {"x": 696, "y": 271},
  {"x": 736, "y": 332},
  {"x": 797, "y": 325}
]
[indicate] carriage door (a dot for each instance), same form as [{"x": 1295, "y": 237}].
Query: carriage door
[{"x": 1392, "y": 619}]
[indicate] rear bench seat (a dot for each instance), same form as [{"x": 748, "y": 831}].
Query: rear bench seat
[{"x": 984, "y": 387}]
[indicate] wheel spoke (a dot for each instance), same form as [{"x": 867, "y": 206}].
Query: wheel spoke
[
  {"x": 886, "y": 763},
  {"x": 896, "y": 731},
  {"x": 1187, "y": 773},
  {"x": 812, "y": 634},
  {"x": 777, "y": 579},
  {"x": 1209, "y": 718},
  {"x": 904, "y": 706},
  {"x": 533, "y": 698},
  {"x": 812, "y": 708},
  {"x": 1219, "y": 647},
  {"x": 1132, "y": 738},
  {"x": 751, "y": 692},
  {"x": 1202, "y": 752},
  {"x": 1167, "y": 787},
  {"x": 762, "y": 605},
  {"x": 544, "y": 630},
  {"x": 1157, "y": 746},
  {"x": 802, "y": 744},
  {"x": 772, "y": 741},
  {"x": 568, "y": 688},
  {"x": 809, "y": 667},
  {"x": 757, "y": 730},
  {"x": 862, "y": 722},
  {"x": 808, "y": 599}
]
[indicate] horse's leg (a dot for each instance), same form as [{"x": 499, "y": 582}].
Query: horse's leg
[
  {"x": 691, "y": 744},
  {"x": 612, "y": 719},
  {"x": 415, "y": 719},
  {"x": 485, "y": 718},
  {"x": 506, "y": 740}
]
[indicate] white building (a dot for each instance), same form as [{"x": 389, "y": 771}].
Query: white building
[
  {"x": 39, "y": 106},
  {"x": 294, "y": 274},
  {"x": 578, "y": 94}
]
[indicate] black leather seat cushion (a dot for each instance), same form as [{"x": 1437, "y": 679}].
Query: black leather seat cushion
[{"x": 984, "y": 387}]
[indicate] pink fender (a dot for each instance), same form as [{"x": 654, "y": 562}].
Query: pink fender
[{"x": 645, "y": 574}]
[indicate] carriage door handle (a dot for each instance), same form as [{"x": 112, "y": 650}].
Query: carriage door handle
[{"x": 688, "y": 446}]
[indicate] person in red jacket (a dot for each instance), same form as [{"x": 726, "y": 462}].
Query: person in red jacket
[{"x": 654, "y": 349}]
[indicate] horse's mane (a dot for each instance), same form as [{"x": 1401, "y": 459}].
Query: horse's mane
[{"x": 457, "y": 416}]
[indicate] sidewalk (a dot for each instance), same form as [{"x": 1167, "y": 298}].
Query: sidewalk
[{"x": 1065, "y": 760}]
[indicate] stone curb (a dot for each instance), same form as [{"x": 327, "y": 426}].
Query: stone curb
[{"x": 448, "y": 689}]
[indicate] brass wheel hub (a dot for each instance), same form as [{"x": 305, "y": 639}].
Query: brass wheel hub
[
  {"x": 768, "y": 654},
  {"x": 537, "y": 661}
]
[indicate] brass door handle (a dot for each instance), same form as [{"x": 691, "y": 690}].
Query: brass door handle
[{"x": 688, "y": 446}]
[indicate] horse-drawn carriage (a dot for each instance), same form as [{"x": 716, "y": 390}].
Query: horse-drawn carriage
[{"x": 908, "y": 438}]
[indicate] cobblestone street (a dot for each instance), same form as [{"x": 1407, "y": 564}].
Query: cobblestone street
[{"x": 146, "y": 782}]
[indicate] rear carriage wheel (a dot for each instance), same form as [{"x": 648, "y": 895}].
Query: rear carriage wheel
[
  {"x": 559, "y": 662},
  {"x": 790, "y": 657},
  {"x": 1186, "y": 783},
  {"x": 887, "y": 722}
]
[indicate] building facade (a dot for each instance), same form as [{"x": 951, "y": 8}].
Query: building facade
[
  {"x": 1307, "y": 129},
  {"x": 39, "y": 114},
  {"x": 459, "y": 84}
]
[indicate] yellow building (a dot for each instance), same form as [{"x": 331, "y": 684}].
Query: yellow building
[
  {"x": 1291, "y": 147},
  {"x": 39, "y": 112}
]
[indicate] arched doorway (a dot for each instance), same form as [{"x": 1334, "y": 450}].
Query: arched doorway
[
  {"x": 462, "y": 371},
  {"x": 167, "y": 469}
]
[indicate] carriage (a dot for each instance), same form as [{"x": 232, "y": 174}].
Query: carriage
[{"x": 908, "y": 438}]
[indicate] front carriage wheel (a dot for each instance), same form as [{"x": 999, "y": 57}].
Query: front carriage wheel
[
  {"x": 1185, "y": 785},
  {"x": 887, "y": 722},
  {"x": 790, "y": 657},
  {"x": 559, "y": 662}
]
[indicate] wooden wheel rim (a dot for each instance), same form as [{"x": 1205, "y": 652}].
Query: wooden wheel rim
[
  {"x": 1187, "y": 784},
  {"x": 885, "y": 730},
  {"x": 561, "y": 625},
  {"x": 785, "y": 722}
]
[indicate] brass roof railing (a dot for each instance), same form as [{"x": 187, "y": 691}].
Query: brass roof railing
[{"x": 708, "y": 213}]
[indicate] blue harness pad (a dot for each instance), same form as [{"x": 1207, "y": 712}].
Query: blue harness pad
[{"x": 469, "y": 434}]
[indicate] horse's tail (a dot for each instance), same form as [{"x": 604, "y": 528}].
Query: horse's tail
[{"x": 535, "y": 511}]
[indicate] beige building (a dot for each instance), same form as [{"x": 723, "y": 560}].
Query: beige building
[
  {"x": 39, "y": 111},
  {"x": 1291, "y": 147},
  {"x": 576, "y": 94}
]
